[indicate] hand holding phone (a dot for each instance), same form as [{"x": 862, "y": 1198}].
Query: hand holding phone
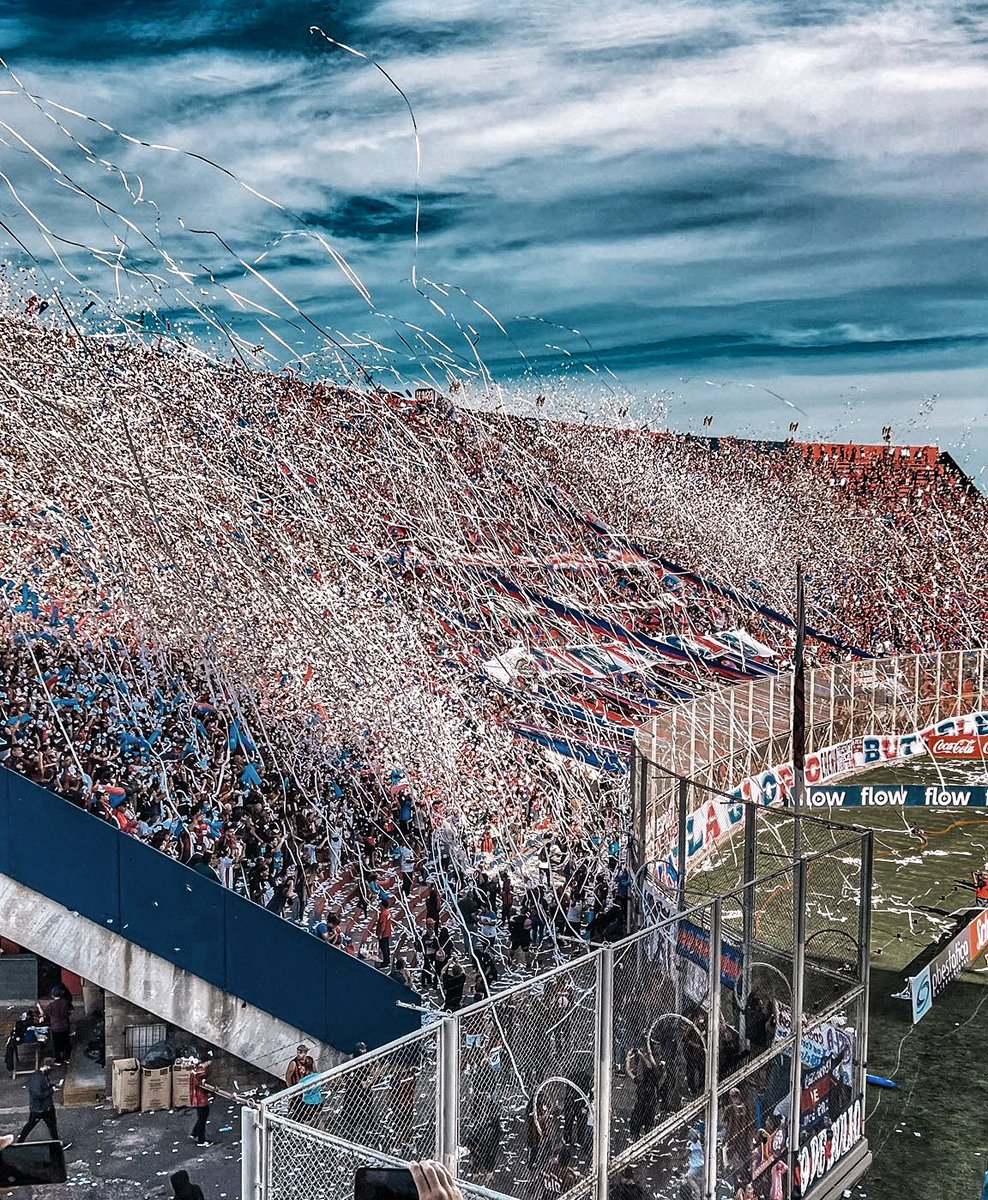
[
  {"x": 384, "y": 1183},
  {"x": 420, "y": 1181},
  {"x": 27, "y": 1163}
]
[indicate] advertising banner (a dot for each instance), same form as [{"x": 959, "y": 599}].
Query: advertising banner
[
  {"x": 717, "y": 817},
  {"x": 911, "y": 795},
  {"x": 825, "y": 1149},
  {"x": 957, "y": 745},
  {"x": 959, "y": 953}
]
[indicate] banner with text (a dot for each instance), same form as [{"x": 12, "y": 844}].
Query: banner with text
[
  {"x": 911, "y": 795},
  {"x": 959, "y": 953}
]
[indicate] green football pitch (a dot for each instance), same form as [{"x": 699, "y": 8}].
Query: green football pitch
[
  {"x": 923, "y": 863},
  {"x": 930, "y": 1135}
]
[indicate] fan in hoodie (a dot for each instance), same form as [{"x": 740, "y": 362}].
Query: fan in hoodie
[{"x": 183, "y": 1189}]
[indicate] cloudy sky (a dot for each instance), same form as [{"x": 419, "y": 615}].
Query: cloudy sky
[{"x": 736, "y": 204}]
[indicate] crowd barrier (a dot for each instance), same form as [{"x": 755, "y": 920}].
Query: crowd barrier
[
  {"x": 120, "y": 883},
  {"x": 606, "y": 1070},
  {"x": 726, "y": 1014}
]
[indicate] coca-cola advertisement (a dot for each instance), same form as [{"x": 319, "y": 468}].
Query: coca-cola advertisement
[{"x": 957, "y": 745}]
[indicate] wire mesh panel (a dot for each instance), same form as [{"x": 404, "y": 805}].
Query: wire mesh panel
[
  {"x": 527, "y": 1064},
  {"x": 928, "y": 689},
  {"x": 310, "y": 1165},
  {"x": 674, "y": 1169},
  {"x": 387, "y": 1100},
  {"x": 757, "y": 969},
  {"x": 660, "y": 994},
  {"x": 832, "y": 922},
  {"x": 754, "y": 1130},
  {"x": 301, "y": 1166}
]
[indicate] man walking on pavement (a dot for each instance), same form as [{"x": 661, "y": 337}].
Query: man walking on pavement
[{"x": 41, "y": 1104}]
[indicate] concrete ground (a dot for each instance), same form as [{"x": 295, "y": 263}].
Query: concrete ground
[{"x": 128, "y": 1156}]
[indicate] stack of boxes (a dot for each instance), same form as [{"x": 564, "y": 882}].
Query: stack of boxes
[{"x": 150, "y": 1088}]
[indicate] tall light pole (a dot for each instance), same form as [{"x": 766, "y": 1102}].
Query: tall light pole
[{"x": 799, "y": 712}]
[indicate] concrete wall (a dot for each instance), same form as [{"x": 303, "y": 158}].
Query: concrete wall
[
  {"x": 207, "y": 931},
  {"x": 153, "y": 984},
  {"x": 227, "y": 1072}
]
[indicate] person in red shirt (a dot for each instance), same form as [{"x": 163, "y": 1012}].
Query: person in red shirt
[
  {"x": 384, "y": 930},
  {"x": 199, "y": 1095}
]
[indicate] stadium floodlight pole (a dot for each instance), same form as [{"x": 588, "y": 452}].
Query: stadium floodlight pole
[
  {"x": 682, "y": 809},
  {"x": 797, "y": 1022},
  {"x": 798, "y": 713},
  {"x": 748, "y": 907}
]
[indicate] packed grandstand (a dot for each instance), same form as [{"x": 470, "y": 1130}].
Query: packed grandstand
[{"x": 339, "y": 643}]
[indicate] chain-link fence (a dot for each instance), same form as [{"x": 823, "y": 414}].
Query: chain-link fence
[
  {"x": 660, "y": 985},
  {"x": 526, "y": 1063},
  {"x": 721, "y": 1045},
  {"x": 385, "y": 1101},
  {"x": 614, "y": 1068},
  {"x": 319, "y": 1166}
]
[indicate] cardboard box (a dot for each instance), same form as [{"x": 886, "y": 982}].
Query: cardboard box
[
  {"x": 126, "y": 1076},
  {"x": 156, "y": 1088},
  {"x": 180, "y": 1085}
]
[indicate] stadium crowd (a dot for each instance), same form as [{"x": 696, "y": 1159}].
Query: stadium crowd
[{"x": 374, "y": 661}]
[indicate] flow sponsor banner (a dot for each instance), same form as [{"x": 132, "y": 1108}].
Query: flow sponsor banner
[
  {"x": 717, "y": 818},
  {"x": 957, "y": 745},
  {"x": 959, "y": 953},
  {"x": 910, "y": 795}
]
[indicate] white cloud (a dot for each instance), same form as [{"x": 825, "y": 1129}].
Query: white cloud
[{"x": 645, "y": 157}]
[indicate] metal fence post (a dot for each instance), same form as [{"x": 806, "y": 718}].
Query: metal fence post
[
  {"x": 713, "y": 1047},
  {"x": 250, "y": 1133},
  {"x": 682, "y": 805},
  {"x": 448, "y": 1096},
  {"x": 799, "y": 965},
  {"x": 748, "y": 905},
  {"x": 864, "y": 953},
  {"x": 604, "y": 1070},
  {"x": 643, "y": 794}
]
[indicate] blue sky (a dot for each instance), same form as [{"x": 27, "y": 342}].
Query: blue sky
[{"x": 727, "y": 200}]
